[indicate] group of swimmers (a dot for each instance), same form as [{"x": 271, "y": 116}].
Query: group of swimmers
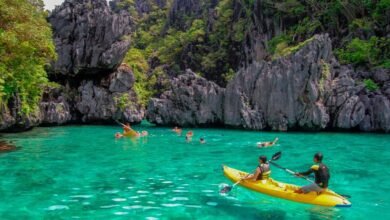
[
  {"x": 189, "y": 135},
  {"x": 127, "y": 129}
]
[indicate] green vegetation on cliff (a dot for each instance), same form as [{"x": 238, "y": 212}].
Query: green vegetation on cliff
[
  {"x": 357, "y": 28},
  {"x": 26, "y": 46},
  {"x": 213, "y": 37}
]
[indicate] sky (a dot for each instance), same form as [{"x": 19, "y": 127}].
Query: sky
[{"x": 50, "y": 4}]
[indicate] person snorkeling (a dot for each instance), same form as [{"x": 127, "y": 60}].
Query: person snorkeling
[
  {"x": 177, "y": 130},
  {"x": 202, "y": 141},
  {"x": 144, "y": 134},
  {"x": 118, "y": 135},
  {"x": 267, "y": 144},
  {"x": 321, "y": 173},
  {"x": 189, "y": 136}
]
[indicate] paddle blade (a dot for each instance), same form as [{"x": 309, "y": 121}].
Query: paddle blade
[
  {"x": 226, "y": 189},
  {"x": 277, "y": 155}
]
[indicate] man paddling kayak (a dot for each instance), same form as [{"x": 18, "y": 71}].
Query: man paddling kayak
[
  {"x": 321, "y": 173},
  {"x": 262, "y": 172},
  {"x": 126, "y": 128}
]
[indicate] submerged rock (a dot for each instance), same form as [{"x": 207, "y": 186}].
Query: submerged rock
[{"x": 7, "y": 147}]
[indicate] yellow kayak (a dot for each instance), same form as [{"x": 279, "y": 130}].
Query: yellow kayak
[
  {"x": 130, "y": 133},
  {"x": 286, "y": 191}
]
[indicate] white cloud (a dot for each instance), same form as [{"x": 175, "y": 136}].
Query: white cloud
[{"x": 50, "y": 4}]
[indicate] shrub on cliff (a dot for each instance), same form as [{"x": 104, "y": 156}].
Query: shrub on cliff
[{"x": 26, "y": 46}]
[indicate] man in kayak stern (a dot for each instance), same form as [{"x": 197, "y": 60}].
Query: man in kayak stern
[{"x": 321, "y": 173}]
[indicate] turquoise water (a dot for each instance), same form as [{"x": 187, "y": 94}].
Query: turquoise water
[{"x": 83, "y": 172}]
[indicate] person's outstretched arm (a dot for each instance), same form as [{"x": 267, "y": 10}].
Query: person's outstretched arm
[{"x": 304, "y": 173}]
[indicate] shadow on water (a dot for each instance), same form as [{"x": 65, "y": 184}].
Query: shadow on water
[
  {"x": 234, "y": 209},
  {"x": 320, "y": 213}
]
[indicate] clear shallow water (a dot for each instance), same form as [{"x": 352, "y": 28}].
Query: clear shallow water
[{"x": 83, "y": 172}]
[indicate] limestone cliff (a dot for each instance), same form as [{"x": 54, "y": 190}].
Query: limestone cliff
[{"x": 306, "y": 90}]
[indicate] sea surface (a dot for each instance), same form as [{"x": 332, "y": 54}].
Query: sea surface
[{"x": 83, "y": 172}]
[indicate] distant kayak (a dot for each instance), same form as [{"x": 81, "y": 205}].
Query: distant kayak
[
  {"x": 130, "y": 133},
  {"x": 286, "y": 191}
]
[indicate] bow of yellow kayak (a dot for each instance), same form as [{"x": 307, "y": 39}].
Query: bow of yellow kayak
[
  {"x": 286, "y": 191},
  {"x": 130, "y": 133}
]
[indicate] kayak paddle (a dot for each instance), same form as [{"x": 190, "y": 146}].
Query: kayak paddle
[
  {"x": 304, "y": 177},
  {"x": 227, "y": 189},
  {"x": 119, "y": 123}
]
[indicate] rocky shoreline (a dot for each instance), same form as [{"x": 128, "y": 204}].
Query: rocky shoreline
[{"x": 306, "y": 90}]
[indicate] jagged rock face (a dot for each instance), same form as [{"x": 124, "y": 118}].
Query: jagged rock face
[
  {"x": 111, "y": 98},
  {"x": 182, "y": 8},
  {"x": 89, "y": 37},
  {"x": 191, "y": 101},
  {"x": 307, "y": 90},
  {"x": 265, "y": 26},
  {"x": 12, "y": 118},
  {"x": 142, "y": 6},
  {"x": 55, "y": 107},
  {"x": 94, "y": 101},
  {"x": 284, "y": 93}
]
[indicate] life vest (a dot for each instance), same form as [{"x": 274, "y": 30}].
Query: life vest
[
  {"x": 322, "y": 175},
  {"x": 265, "y": 171}
]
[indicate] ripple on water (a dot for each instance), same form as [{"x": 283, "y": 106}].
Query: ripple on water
[
  {"x": 171, "y": 204},
  {"x": 212, "y": 203},
  {"x": 108, "y": 206},
  {"x": 81, "y": 196},
  {"x": 179, "y": 199},
  {"x": 159, "y": 193},
  {"x": 193, "y": 206},
  {"x": 121, "y": 213},
  {"x": 114, "y": 191},
  {"x": 167, "y": 182},
  {"x": 70, "y": 200},
  {"x": 119, "y": 199},
  {"x": 142, "y": 192},
  {"x": 132, "y": 207},
  {"x": 58, "y": 207},
  {"x": 179, "y": 191}
]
